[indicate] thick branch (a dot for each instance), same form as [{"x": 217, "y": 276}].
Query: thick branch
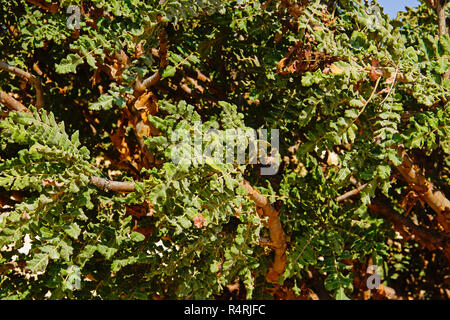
[
  {"x": 440, "y": 11},
  {"x": 439, "y": 8},
  {"x": 277, "y": 236},
  {"x": 11, "y": 103},
  {"x": 426, "y": 190},
  {"x": 429, "y": 238},
  {"x": 35, "y": 81},
  {"x": 117, "y": 186},
  {"x": 141, "y": 86}
]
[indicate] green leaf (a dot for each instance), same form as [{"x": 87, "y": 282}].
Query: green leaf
[
  {"x": 105, "y": 102},
  {"x": 169, "y": 72},
  {"x": 137, "y": 237},
  {"x": 38, "y": 263},
  {"x": 214, "y": 267},
  {"x": 185, "y": 222},
  {"x": 308, "y": 79},
  {"x": 90, "y": 59},
  {"x": 384, "y": 172},
  {"x": 340, "y": 294},
  {"x": 69, "y": 64},
  {"x": 73, "y": 230},
  {"x": 108, "y": 252},
  {"x": 51, "y": 250}
]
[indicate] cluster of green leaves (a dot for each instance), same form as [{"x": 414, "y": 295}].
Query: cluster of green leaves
[
  {"x": 341, "y": 111},
  {"x": 201, "y": 206},
  {"x": 68, "y": 221}
]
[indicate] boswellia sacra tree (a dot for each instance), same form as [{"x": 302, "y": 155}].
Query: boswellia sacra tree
[{"x": 116, "y": 166}]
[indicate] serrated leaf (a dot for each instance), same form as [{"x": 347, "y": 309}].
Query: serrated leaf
[
  {"x": 69, "y": 64},
  {"x": 38, "y": 263},
  {"x": 169, "y": 72},
  {"x": 90, "y": 59},
  {"x": 73, "y": 230},
  {"x": 105, "y": 102}
]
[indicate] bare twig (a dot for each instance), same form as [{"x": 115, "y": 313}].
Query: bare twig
[{"x": 351, "y": 193}]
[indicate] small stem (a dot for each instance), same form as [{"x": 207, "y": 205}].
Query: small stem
[{"x": 351, "y": 193}]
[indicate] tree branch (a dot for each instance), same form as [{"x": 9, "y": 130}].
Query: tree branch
[
  {"x": 109, "y": 185},
  {"x": 51, "y": 7},
  {"x": 11, "y": 103},
  {"x": 440, "y": 11},
  {"x": 426, "y": 190},
  {"x": 147, "y": 83},
  {"x": 141, "y": 86},
  {"x": 351, "y": 193},
  {"x": 277, "y": 235},
  {"x": 439, "y": 8},
  {"x": 429, "y": 238},
  {"x": 35, "y": 81}
]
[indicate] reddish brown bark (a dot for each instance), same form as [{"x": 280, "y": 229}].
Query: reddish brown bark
[
  {"x": 11, "y": 103},
  {"x": 34, "y": 80},
  {"x": 426, "y": 190},
  {"x": 277, "y": 235}
]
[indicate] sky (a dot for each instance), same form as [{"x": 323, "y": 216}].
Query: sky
[{"x": 391, "y": 7}]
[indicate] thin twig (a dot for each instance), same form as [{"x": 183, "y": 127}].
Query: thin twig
[{"x": 351, "y": 193}]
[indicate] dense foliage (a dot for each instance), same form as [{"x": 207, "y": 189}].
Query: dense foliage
[{"x": 354, "y": 95}]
